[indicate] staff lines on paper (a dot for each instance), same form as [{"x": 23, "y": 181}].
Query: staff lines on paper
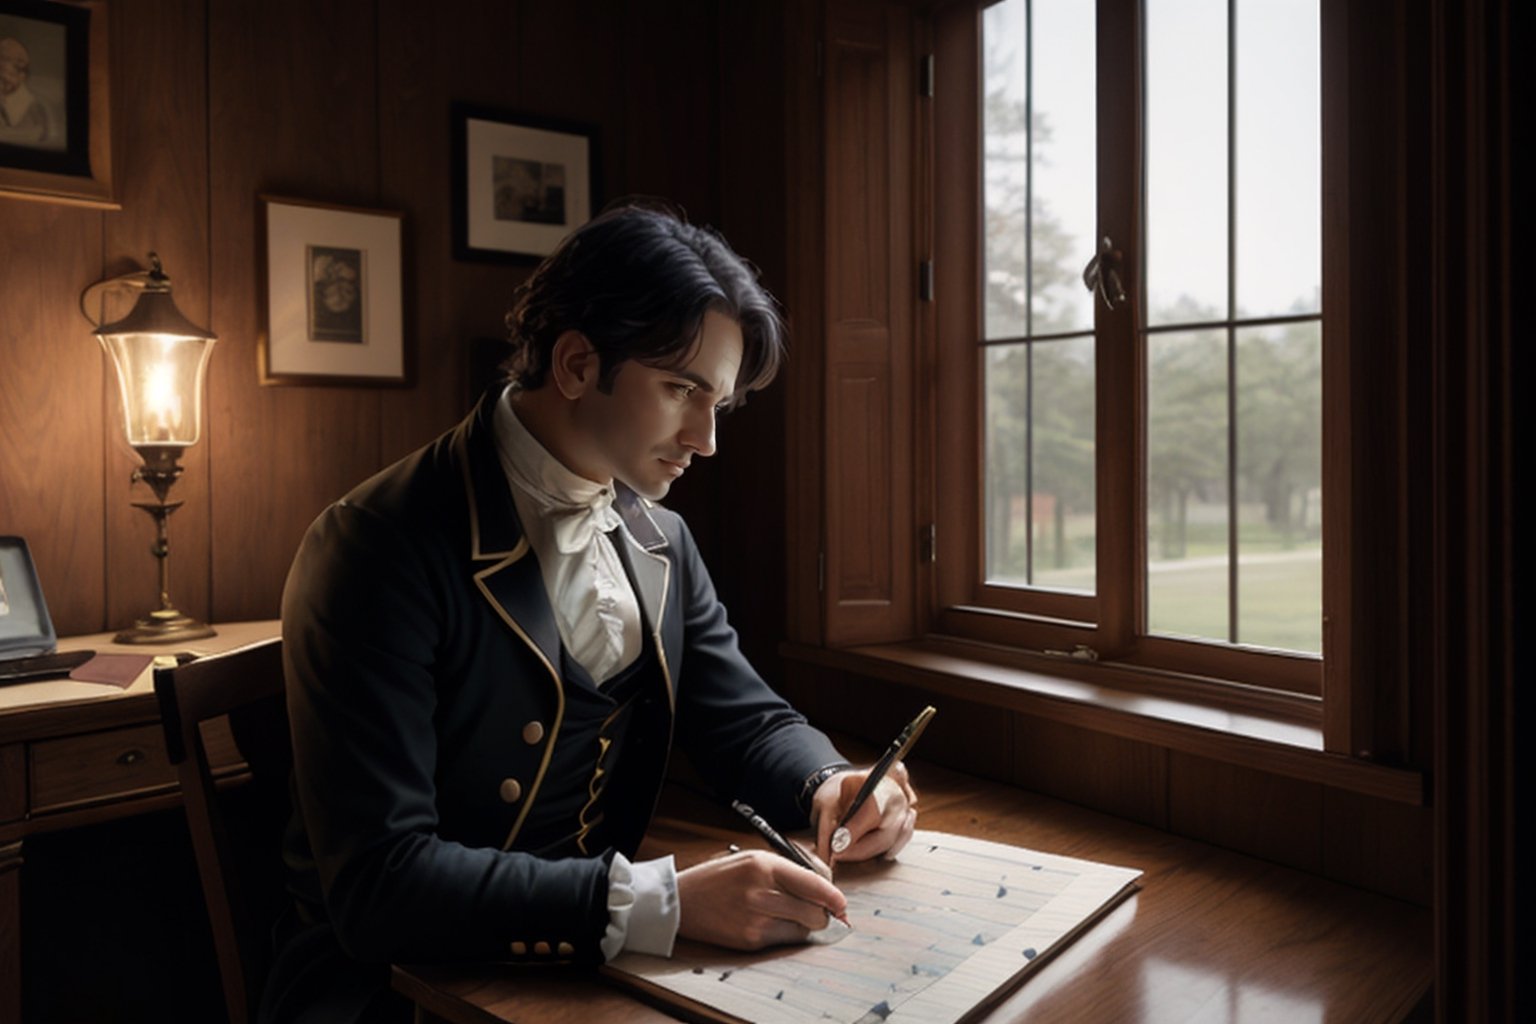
[
  {"x": 895, "y": 914},
  {"x": 934, "y": 919}
]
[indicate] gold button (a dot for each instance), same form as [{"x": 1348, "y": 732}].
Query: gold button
[
  {"x": 519, "y": 949},
  {"x": 511, "y": 791},
  {"x": 533, "y": 732},
  {"x": 541, "y": 948},
  {"x": 566, "y": 949}
]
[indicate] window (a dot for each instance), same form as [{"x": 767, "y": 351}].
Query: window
[{"x": 1147, "y": 466}]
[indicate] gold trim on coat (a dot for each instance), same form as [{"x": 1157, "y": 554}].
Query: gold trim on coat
[{"x": 509, "y": 558}]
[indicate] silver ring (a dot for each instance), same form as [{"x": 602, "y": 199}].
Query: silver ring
[{"x": 841, "y": 840}]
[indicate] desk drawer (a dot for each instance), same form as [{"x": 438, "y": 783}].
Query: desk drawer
[
  {"x": 118, "y": 764},
  {"x": 99, "y": 766}
]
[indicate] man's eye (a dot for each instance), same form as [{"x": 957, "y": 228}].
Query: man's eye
[{"x": 683, "y": 390}]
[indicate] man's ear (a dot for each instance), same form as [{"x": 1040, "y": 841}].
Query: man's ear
[{"x": 574, "y": 364}]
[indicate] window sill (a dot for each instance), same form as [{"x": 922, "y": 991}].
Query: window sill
[{"x": 1252, "y": 729}]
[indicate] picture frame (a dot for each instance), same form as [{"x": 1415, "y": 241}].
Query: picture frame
[
  {"x": 521, "y": 183},
  {"x": 25, "y": 627},
  {"x": 333, "y": 308},
  {"x": 55, "y": 102}
]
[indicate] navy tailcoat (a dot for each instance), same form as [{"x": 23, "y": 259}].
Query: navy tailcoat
[{"x": 427, "y": 704}]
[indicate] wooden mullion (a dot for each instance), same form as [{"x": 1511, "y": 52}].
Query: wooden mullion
[
  {"x": 1346, "y": 699},
  {"x": 1120, "y": 352}
]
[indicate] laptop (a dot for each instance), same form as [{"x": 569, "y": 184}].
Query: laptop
[{"x": 27, "y": 639}]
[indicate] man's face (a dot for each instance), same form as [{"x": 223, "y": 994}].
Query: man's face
[{"x": 656, "y": 421}]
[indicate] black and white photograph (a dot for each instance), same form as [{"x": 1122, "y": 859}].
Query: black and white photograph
[
  {"x": 336, "y": 300},
  {"x": 529, "y": 190},
  {"x": 521, "y": 183},
  {"x": 334, "y": 309}
]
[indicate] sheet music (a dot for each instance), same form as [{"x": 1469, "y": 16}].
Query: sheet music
[{"x": 951, "y": 922}]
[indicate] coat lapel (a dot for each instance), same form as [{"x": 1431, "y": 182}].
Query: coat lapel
[
  {"x": 504, "y": 574},
  {"x": 646, "y": 555},
  {"x": 511, "y": 581}
]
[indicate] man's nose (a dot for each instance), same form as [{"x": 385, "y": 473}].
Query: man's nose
[{"x": 698, "y": 433}]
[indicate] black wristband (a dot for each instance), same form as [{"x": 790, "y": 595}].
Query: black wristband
[{"x": 814, "y": 780}]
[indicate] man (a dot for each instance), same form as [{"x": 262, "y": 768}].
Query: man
[
  {"x": 23, "y": 120},
  {"x": 491, "y": 646}
]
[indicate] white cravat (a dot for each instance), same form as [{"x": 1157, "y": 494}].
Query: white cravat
[{"x": 567, "y": 518}]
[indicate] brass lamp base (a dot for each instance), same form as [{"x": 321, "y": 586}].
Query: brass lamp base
[{"x": 163, "y": 627}]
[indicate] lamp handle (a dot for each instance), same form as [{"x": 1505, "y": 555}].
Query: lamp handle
[{"x": 136, "y": 281}]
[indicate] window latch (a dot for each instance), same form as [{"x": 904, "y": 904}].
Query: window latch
[
  {"x": 1079, "y": 652},
  {"x": 1102, "y": 274}
]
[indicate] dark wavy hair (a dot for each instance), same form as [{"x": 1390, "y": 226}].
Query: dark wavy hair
[{"x": 637, "y": 280}]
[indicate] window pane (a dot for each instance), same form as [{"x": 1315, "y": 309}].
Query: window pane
[
  {"x": 1039, "y": 139},
  {"x": 1279, "y": 486},
  {"x": 1187, "y": 519},
  {"x": 1005, "y": 167},
  {"x": 1186, "y": 160},
  {"x": 1038, "y": 123},
  {"x": 1062, "y": 160},
  {"x": 1007, "y": 464},
  {"x": 1040, "y": 517},
  {"x": 1064, "y": 548},
  {"x": 1279, "y": 158}
]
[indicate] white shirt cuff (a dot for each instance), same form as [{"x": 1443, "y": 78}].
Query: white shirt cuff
[{"x": 643, "y": 910}]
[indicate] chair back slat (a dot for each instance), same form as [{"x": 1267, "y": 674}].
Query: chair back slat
[{"x": 247, "y": 685}]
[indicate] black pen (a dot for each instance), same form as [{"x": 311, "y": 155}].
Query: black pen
[
  {"x": 893, "y": 753},
  {"x": 782, "y": 846},
  {"x": 778, "y": 842}
]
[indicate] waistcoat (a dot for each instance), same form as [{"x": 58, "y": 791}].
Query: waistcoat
[{"x": 592, "y": 795}]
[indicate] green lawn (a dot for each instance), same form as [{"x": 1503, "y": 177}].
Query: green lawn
[
  {"x": 1279, "y": 600},
  {"x": 1279, "y": 596}
]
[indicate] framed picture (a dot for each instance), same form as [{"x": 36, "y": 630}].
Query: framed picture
[
  {"x": 521, "y": 184},
  {"x": 55, "y": 131},
  {"x": 25, "y": 627},
  {"x": 334, "y": 295}
]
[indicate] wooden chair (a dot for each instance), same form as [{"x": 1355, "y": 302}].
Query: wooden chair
[{"x": 238, "y": 854}]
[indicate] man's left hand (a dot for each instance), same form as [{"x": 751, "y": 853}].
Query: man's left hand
[{"x": 882, "y": 826}]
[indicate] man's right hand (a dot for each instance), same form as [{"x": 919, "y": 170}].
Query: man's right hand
[{"x": 754, "y": 899}]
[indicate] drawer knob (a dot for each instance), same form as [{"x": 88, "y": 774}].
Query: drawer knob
[{"x": 130, "y": 757}]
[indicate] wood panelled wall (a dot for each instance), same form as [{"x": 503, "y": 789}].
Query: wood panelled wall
[{"x": 346, "y": 102}]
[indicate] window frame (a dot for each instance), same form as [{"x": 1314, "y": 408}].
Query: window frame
[
  {"x": 1376, "y": 706},
  {"x": 961, "y": 603}
]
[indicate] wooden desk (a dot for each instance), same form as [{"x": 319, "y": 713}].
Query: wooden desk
[
  {"x": 74, "y": 753},
  {"x": 1212, "y": 936}
]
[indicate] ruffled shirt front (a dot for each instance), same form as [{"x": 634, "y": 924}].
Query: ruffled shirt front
[{"x": 566, "y": 518}]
